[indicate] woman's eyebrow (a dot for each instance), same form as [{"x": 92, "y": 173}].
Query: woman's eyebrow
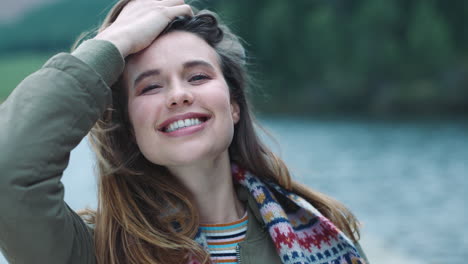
[
  {"x": 145, "y": 74},
  {"x": 195, "y": 63}
]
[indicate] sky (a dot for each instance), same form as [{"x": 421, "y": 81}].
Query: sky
[{"x": 11, "y": 10}]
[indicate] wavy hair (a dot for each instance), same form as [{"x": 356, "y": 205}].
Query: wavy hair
[{"x": 144, "y": 214}]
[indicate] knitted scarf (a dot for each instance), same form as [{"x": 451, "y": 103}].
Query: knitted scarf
[{"x": 301, "y": 234}]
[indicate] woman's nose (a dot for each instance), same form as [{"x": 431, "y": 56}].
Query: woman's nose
[{"x": 179, "y": 96}]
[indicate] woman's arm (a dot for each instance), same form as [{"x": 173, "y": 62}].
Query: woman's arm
[{"x": 44, "y": 118}]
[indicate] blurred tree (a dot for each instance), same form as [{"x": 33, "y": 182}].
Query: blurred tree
[{"x": 429, "y": 38}]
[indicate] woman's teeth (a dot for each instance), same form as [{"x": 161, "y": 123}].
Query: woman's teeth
[{"x": 183, "y": 123}]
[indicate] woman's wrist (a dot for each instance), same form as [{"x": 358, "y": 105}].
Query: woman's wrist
[
  {"x": 103, "y": 56},
  {"x": 118, "y": 42}
]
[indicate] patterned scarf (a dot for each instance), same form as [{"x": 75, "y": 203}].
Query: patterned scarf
[{"x": 302, "y": 235}]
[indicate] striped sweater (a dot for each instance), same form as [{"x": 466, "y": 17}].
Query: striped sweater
[{"x": 222, "y": 239}]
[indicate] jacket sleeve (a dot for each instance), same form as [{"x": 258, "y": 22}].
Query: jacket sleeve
[{"x": 43, "y": 119}]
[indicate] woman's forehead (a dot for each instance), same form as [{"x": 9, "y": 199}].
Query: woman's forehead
[{"x": 172, "y": 50}]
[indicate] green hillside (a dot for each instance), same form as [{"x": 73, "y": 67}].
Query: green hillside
[
  {"x": 15, "y": 68},
  {"x": 53, "y": 27}
]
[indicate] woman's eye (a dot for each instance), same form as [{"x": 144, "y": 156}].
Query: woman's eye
[
  {"x": 199, "y": 77},
  {"x": 149, "y": 88}
]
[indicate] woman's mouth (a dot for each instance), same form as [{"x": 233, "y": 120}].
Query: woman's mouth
[{"x": 184, "y": 123}]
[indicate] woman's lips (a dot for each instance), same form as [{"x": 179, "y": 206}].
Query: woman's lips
[
  {"x": 185, "y": 131},
  {"x": 172, "y": 121}
]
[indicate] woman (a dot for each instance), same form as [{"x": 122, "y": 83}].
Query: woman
[{"x": 182, "y": 175}]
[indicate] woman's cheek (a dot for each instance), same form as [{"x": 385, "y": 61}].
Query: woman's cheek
[
  {"x": 141, "y": 112},
  {"x": 219, "y": 98}
]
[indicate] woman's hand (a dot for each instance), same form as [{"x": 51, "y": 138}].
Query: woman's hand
[{"x": 140, "y": 22}]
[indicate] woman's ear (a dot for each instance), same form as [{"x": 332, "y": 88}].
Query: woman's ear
[{"x": 235, "y": 112}]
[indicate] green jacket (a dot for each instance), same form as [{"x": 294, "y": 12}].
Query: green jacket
[{"x": 44, "y": 118}]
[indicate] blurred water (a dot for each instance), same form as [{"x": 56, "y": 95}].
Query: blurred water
[{"x": 406, "y": 181}]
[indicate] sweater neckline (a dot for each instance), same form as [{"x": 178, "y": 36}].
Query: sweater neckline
[{"x": 244, "y": 218}]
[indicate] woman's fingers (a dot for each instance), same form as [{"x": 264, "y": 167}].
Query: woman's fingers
[
  {"x": 178, "y": 10},
  {"x": 154, "y": 10},
  {"x": 161, "y": 2},
  {"x": 170, "y": 2}
]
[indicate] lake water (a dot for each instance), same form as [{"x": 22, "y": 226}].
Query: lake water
[{"x": 405, "y": 180}]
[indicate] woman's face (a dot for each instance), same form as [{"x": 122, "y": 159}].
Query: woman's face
[{"x": 179, "y": 102}]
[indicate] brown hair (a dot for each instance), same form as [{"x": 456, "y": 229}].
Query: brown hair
[{"x": 144, "y": 214}]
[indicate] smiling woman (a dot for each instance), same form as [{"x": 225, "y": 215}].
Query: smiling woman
[{"x": 183, "y": 176}]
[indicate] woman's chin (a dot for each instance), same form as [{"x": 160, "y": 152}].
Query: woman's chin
[{"x": 192, "y": 160}]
